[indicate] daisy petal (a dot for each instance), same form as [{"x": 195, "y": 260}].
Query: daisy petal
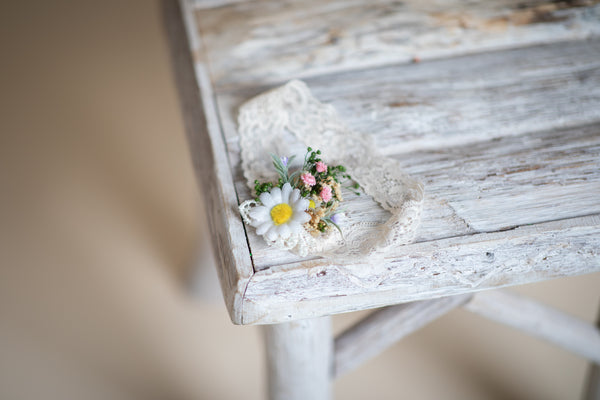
[
  {"x": 267, "y": 200},
  {"x": 271, "y": 234},
  {"x": 264, "y": 228},
  {"x": 294, "y": 196},
  {"x": 285, "y": 192},
  {"x": 260, "y": 214},
  {"x": 276, "y": 195},
  {"x": 301, "y": 205},
  {"x": 295, "y": 227},
  {"x": 284, "y": 231},
  {"x": 301, "y": 217}
]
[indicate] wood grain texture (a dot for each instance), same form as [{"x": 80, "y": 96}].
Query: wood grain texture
[
  {"x": 460, "y": 100},
  {"x": 479, "y": 180},
  {"x": 540, "y": 320},
  {"x": 299, "y": 359},
  {"x": 210, "y": 162},
  {"x": 262, "y": 42},
  {"x": 498, "y": 139},
  {"x": 420, "y": 271},
  {"x": 506, "y": 142},
  {"x": 382, "y": 328},
  {"x": 485, "y": 187}
]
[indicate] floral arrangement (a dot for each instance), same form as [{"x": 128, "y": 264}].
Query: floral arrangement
[{"x": 306, "y": 199}]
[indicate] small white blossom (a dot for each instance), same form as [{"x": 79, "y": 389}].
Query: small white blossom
[{"x": 281, "y": 213}]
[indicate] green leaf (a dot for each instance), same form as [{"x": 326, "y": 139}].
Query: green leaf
[
  {"x": 329, "y": 221},
  {"x": 295, "y": 175}
]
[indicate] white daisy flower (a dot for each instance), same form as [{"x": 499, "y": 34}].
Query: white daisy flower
[{"x": 281, "y": 213}]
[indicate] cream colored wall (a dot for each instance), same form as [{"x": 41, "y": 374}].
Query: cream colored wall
[{"x": 99, "y": 216}]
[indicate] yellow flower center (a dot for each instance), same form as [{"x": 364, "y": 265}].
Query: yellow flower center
[
  {"x": 311, "y": 204},
  {"x": 281, "y": 213}
]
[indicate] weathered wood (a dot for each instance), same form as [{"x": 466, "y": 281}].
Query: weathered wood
[
  {"x": 486, "y": 187},
  {"x": 498, "y": 138},
  {"x": 593, "y": 384},
  {"x": 299, "y": 359},
  {"x": 539, "y": 320},
  {"x": 212, "y": 3},
  {"x": 210, "y": 162},
  {"x": 592, "y": 390},
  {"x": 500, "y": 160},
  {"x": 460, "y": 100},
  {"x": 262, "y": 42},
  {"x": 426, "y": 270},
  {"x": 456, "y": 101},
  {"x": 382, "y": 328}
]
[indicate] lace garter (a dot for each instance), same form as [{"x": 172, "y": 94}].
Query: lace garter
[{"x": 284, "y": 121}]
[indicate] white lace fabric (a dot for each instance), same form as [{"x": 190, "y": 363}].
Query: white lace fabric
[{"x": 286, "y": 120}]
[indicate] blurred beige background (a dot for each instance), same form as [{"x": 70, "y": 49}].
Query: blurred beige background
[{"x": 102, "y": 241}]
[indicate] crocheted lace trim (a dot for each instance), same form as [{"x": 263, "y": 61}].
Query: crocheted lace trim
[{"x": 286, "y": 120}]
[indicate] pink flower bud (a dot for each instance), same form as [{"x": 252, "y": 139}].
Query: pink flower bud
[
  {"x": 325, "y": 193},
  {"x": 321, "y": 167},
  {"x": 308, "y": 179}
]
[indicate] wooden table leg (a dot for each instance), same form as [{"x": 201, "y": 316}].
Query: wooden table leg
[
  {"x": 299, "y": 359},
  {"x": 592, "y": 390}
]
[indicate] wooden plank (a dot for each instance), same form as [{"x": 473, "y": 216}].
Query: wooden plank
[
  {"x": 486, "y": 144},
  {"x": 453, "y": 102},
  {"x": 592, "y": 385},
  {"x": 512, "y": 181},
  {"x": 198, "y": 4},
  {"x": 540, "y": 320},
  {"x": 432, "y": 116},
  {"x": 382, "y": 328},
  {"x": 299, "y": 359},
  {"x": 487, "y": 187},
  {"x": 426, "y": 270},
  {"x": 457, "y": 101},
  {"x": 261, "y": 42},
  {"x": 210, "y": 161}
]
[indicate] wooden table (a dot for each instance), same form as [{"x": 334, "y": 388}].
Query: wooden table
[{"x": 493, "y": 105}]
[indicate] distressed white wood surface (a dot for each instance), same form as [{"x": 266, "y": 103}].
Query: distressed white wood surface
[
  {"x": 212, "y": 3},
  {"x": 511, "y": 148},
  {"x": 211, "y": 165},
  {"x": 487, "y": 187},
  {"x": 487, "y": 181},
  {"x": 420, "y": 271},
  {"x": 260, "y": 42},
  {"x": 299, "y": 359},
  {"x": 456, "y": 101},
  {"x": 382, "y": 328},
  {"x": 536, "y": 319},
  {"x": 506, "y": 142}
]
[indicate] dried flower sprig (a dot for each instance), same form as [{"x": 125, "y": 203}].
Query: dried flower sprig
[{"x": 309, "y": 196}]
